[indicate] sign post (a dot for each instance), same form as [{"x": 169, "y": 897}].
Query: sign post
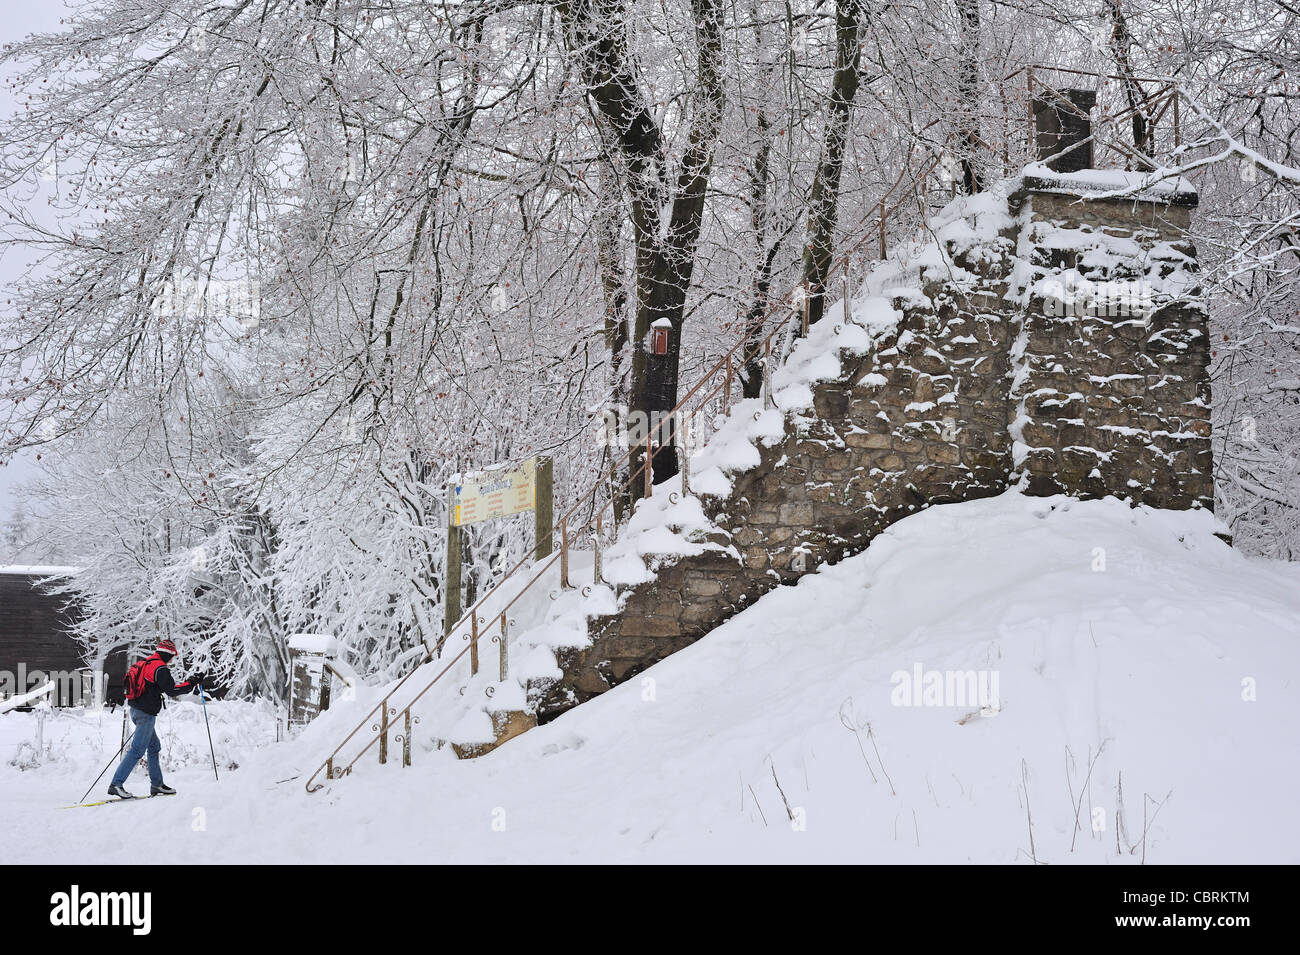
[
  {"x": 543, "y": 504},
  {"x": 451, "y": 575},
  {"x": 488, "y": 495}
]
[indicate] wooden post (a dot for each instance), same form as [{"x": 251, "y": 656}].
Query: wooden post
[
  {"x": 649, "y": 463},
  {"x": 473, "y": 643},
  {"x": 406, "y": 738},
  {"x": 504, "y": 636},
  {"x": 767, "y": 373},
  {"x": 543, "y": 506},
  {"x": 807, "y": 309},
  {"x": 564, "y": 554},
  {"x": 451, "y": 574},
  {"x": 383, "y": 732},
  {"x": 595, "y": 563},
  {"x": 325, "y": 681},
  {"x": 684, "y": 459}
]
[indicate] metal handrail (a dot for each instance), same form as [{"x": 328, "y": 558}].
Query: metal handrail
[{"x": 1167, "y": 95}]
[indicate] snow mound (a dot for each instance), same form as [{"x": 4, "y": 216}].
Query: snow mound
[{"x": 1143, "y": 671}]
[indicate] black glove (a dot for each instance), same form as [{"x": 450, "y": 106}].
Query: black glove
[{"x": 197, "y": 680}]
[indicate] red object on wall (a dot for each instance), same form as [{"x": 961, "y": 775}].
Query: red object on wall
[{"x": 659, "y": 341}]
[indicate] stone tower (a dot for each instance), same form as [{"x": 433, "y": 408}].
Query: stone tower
[{"x": 1113, "y": 393}]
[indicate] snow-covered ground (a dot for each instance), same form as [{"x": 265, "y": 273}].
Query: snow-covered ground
[{"x": 1130, "y": 641}]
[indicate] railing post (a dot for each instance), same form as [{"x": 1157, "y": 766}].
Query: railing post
[
  {"x": 595, "y": 558},
  {"x": 726, "y": 385},
  {"x": 649, "y": 464},
  {"x": 406, "y": 738},
  {"x": 329, "y": 768},
  {"x": 504, "y": 636},
  {"x": 882, "y": 231},
  {"x": 1033, "y": 132},
  {"x": 383, "y": 733},
  {"x": 807, "y": 308},
  {"x": 767, "y": 373},
  {"x": 684, "y": 457},
  {"x": 564, "y": 554},
  {"x": 473, "y": 643},
  {"x": 1177, "y": 132}
]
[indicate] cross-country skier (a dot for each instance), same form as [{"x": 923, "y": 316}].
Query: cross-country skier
[{"x": 146, "y": 682}]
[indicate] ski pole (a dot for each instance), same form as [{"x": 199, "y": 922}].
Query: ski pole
[
  {"x": 102, "y": 772},
  {"x": 211, "y": 750}
]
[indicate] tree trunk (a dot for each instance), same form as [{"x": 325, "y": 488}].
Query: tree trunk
[
  {"x": 609, "y": 220},
  {"x": 666, "y": 216},
  {"x": 752, "y": 377},
  {"x": 968, "y": 56},
  {"x": 1121, "y": 41},
  {"x": 823, "y": 205}
]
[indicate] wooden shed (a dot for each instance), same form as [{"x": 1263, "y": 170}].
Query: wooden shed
[{"x": 36, "y": 637}]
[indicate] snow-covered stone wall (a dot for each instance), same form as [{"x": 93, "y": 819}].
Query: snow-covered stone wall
[
  {"x": 1037, "y": 339},
  {"x": 1111, "y": 384}
]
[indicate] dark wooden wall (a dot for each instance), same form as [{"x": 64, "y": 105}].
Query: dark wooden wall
[{"x": 36, "y": 631}]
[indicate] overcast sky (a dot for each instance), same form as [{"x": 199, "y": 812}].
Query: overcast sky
[{"x": 18, "y": 20}]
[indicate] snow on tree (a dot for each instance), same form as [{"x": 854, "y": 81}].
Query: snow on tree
[{"x": 309, "y": 260}]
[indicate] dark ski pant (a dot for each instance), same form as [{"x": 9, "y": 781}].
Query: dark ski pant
[{"x": 143, "y": 741}]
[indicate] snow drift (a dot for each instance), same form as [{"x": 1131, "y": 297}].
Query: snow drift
[{"x": 1144, "y": 707}]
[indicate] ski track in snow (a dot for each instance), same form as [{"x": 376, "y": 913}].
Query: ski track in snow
[{"x": 1146, "y": 657}]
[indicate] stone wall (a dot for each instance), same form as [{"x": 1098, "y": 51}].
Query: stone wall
[
  {"x": 1113, "y": 391},
  {"x": 921, "y": 420},
  {"x": 977, "y": 388}
]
